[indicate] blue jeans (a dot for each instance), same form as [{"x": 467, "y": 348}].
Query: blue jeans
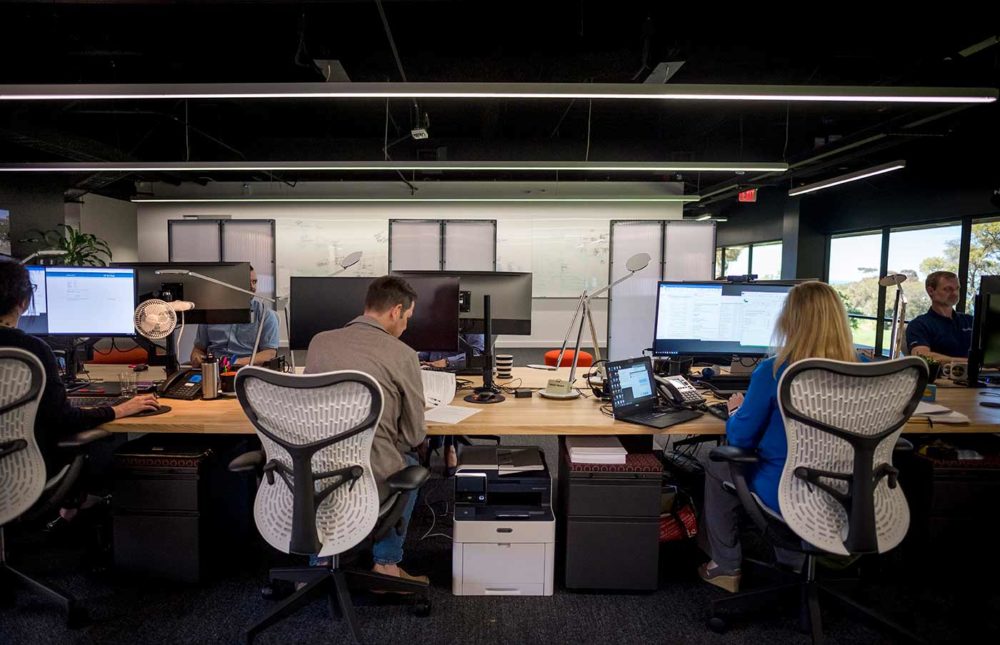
[{"x": 389, "y": 550}]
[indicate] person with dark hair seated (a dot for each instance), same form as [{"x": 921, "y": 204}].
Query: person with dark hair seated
[
  {"x": 370, "y": 344},
  {"x": 451, "y": 360},
  {"x": 56, "y": 418}
]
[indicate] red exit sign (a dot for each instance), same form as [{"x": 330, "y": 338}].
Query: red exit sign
[{"x": 748, "y": 195}]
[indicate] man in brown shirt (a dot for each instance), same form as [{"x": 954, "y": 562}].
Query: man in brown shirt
[{"x": 370, "y": 343}]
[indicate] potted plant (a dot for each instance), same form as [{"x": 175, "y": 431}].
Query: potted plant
[
  {"x": 82, "y": 249},
  {"x": 933, "y": 368}
]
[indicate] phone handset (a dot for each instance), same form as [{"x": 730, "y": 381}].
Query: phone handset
[{"x": 679, "y": 391}]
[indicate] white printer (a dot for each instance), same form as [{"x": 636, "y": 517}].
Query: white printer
[{"x": 505, "y": 531}]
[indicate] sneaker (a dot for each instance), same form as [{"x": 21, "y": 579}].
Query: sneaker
[{"x": 713, "y": 574}]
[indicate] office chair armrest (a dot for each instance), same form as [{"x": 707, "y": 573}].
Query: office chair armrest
[
  {"x": 903, "y": 445},
  {"x": 81, "y": 439},
  {"x": 409, "y": 478},
  {"x": 733, "y": 455},
  {"x": 247, "y": 462}
]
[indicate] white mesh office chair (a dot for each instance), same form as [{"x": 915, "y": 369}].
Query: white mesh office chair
[
  {"x": 838, "y": 492},
  {"x": 318, "y": 495},
  {"x": 23, "y": 487}
]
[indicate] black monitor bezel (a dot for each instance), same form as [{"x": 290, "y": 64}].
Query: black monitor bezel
[
  {"x": 712, "y": 354},
  {"x": 646, "y": 403}
]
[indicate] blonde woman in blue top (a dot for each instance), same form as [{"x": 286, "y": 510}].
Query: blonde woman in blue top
[{"x": 812, "y": 324}]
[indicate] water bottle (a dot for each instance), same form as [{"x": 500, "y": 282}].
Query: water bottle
[{"x": 210, "y": 377}]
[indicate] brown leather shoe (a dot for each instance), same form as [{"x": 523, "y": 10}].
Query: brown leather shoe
[{"x": 405, "y": 576}]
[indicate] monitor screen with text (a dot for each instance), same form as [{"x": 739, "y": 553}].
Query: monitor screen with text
[
  {"x": 716, "y": 319},
  {"x": 84, "y": 301}
]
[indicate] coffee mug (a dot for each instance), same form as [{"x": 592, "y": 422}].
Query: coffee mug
[
  {"x": 504, "y": 363},
  {"x": 228, "y": 381},
  {"x": 955, "y": 371}
]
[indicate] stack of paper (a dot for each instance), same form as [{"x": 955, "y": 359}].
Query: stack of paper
[
  {"x": 595, "y": 450},
  {"x": 439, "y": 390},
  {"x": 938, "y": 413}
]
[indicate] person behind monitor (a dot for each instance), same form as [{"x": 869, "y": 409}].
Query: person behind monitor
[
  {"x": 236, "y": 341},
  {"x": 942, "y": 333},
  {"x": 370, "y": 343},
  {"x": 812, "y": 324}
]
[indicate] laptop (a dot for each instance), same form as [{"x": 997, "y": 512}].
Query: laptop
[{"x": 633, "y": 395}]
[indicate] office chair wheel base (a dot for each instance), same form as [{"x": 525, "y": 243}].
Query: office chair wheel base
[
  {"x": 422, "y": 608},
  {"x": 277, "y": 590},
  {"x": 718, "y": 625},
  {"x": 77, "y": 618}
]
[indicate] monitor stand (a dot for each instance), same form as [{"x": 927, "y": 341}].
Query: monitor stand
[{"x": 488, "y": 392}]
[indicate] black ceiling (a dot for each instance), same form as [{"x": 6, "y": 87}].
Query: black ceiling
[{"x": 186, "y": 42}]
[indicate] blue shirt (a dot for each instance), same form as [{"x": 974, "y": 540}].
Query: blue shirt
[
  {"x": 238, "y": 339},
  {"x": 948, "y": 336},
  {"x": 477, "y": 341},
  {"x": 758, "y": 426}
]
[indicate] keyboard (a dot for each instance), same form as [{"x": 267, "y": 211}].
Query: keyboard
[
  {"x": 96, "y": 401},
  {"x": 720, "y": 410}
]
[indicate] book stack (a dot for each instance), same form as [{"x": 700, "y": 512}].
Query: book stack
[{"x": 595, "y": 450}]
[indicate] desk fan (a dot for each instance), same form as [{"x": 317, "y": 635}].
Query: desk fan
[{"x": 156, "y": 319}]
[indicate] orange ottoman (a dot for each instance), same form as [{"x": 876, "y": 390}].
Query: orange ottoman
[{"x": 586, "y": 360}]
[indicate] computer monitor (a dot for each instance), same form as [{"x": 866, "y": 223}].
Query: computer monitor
[
  {"x": 716, "y": 318},
  {"x": 321, "y": 304},
  {"x": 35, "y": 319},
  {"x": 510, "y": 299},
  {"x": 214, "y": 303},
  {"x": 985, "y": 350},
  {"x": 89, "y": 301}
]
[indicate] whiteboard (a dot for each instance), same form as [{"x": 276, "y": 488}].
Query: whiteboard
[
  {"x": 565, "y": 256},
  {"x": 314, "y": 247}
]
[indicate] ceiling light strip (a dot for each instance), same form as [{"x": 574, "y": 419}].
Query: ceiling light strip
[
  {"x": 844, "y": 179},
  {"x": 615, "y": 91},
  {"x": 227, "y": 200},
  {"x": 357, "y": 166}
]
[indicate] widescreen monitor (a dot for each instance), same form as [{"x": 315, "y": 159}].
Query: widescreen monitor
[
  {"x": 213, "y": 303},
  {"x": 510, "y": 299},
  {"x": 321, "y": 304},
  {"x": 82, "y": 301},
  {"x": 716, "y": 318}
]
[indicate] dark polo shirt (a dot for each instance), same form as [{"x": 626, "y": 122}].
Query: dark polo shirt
[{"x": 948, "y": 336}]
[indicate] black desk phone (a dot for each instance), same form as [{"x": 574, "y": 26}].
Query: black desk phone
[
  {"x": 678, "y": 390},
  {"x": 184, "y": 384}
]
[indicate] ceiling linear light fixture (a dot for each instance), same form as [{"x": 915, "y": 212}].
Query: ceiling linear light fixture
[
  {"x": 227, "y": 200},
  {"x": 596, "y": 91},
  {"x": 843, "y": 179},
  {"x": 356, "y": 166}
]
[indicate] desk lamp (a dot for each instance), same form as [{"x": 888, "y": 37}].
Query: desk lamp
[
  {"x": 558, "y": 388},
  {"x": 898, "y": 312},
  {"x": 281, "y": 302},
  {"x": 47, "y": 253}
]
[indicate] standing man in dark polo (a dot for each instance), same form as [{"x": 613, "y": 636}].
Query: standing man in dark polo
[
  {"x": 370, "y": 343},
  {"x": 942, "y": 333}
]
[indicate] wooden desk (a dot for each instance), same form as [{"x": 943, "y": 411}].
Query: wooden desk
[{"x": 533, "y": 416}]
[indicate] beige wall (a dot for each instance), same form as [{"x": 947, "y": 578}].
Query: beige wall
[{"x": 115, "y": 222}]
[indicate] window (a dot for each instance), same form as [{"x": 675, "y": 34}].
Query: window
[
  {"x": 984, "y": 256},
  {"x": 765, "y": 260},
  {"x": 854, "y": 272},
  {"x": 761, "y": 258}
]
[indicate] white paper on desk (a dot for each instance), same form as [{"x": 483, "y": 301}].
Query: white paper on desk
[
  {"x": 439, "y": 387},
  {"x": 938, "y": 413},
  {"x": 449, "y": 413}
]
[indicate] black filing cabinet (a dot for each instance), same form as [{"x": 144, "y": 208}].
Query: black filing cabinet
[
  {"x": 177, "y": 513},
  {"x": 609, "y": 523}
]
